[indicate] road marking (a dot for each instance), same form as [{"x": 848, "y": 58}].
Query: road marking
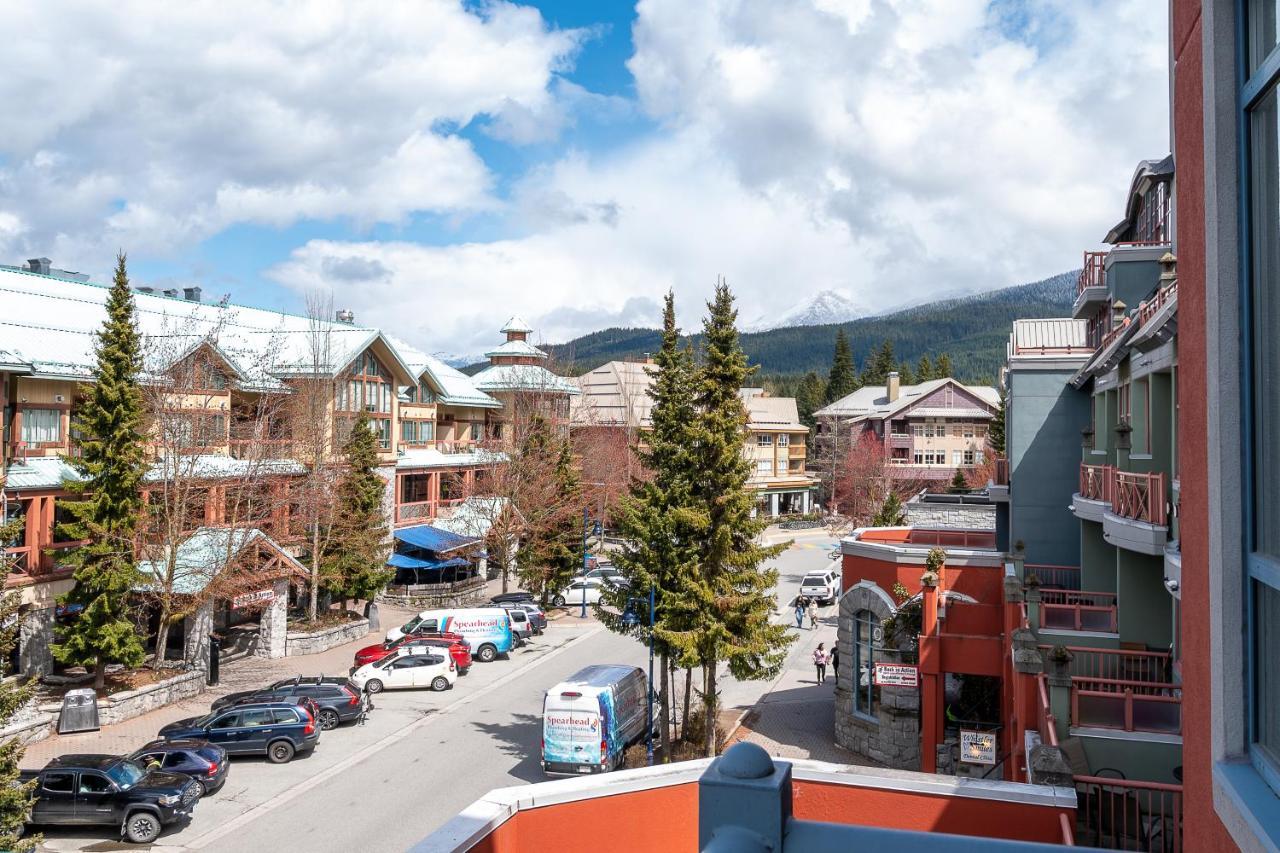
[{"x": 301, "y": 788}]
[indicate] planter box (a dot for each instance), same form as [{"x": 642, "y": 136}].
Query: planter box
[
  {"x": 119, "y": 707},
  {"x": 30, "y": 724},
  {"x": 424, "y": 598},
  {"x": 298, "y": 643}
]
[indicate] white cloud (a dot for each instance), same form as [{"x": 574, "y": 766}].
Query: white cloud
[
  {"x": 890, "y": 150},
  {"x": 154, "y": 125}
]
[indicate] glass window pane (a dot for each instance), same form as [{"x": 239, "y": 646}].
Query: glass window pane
[
  {"x": 1266, "y": 633},
  {"x": 1262, "y": 31},
  {"x": 1265, "y": 191}
]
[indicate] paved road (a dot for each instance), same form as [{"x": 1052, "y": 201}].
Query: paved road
[{"x": 424, "y": 756}]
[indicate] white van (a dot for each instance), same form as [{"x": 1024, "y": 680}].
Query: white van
[
  {"x": 486, "y": 629},
  {"x": 590, "y": 718},
  {"x": 823, "y": 585}
]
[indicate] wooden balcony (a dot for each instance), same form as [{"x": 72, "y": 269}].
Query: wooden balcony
[
  {"x": 1096, "y": 482},
  {"x": 1122, "y": 814},
  {"x": 1055, "y": 577},
  {"x": 1001, "y": 473},
  {"x": 255, "y": 448},
  {"x": 1071, "y": 610},
  {"x": 1140, "y": 497},
  {"x": 1121, "y": 664},
  {"x": 1093, "y": 273},
  {"x": 1131, "y": 706}
]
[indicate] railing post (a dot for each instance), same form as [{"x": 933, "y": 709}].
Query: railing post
[
  {"x": 1075, "y": 706},
  {"x": 1128, "y": 709},
  {"x": 744, "y": 796}
]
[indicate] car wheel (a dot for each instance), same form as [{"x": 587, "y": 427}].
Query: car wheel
[
  {"x": 141, "y": 827},
  {"x": 439, "y": 683},
  {"x": 558, "y": 600},
  {"x": 201, "y": 790},
  {"x": 373, "y": 685},
  {"x": 487, "y": 653},
  {"x": 280, "y": 752},
  {"x": 328, "y": 719}
]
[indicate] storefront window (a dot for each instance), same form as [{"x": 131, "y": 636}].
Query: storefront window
[{"x": 865, "y": 693}]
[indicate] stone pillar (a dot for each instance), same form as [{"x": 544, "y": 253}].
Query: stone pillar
[
  {"x": 773, "y": 505},
  {"x": 35, "y": 646},
  {"x": 272, "y": 628},
  {"x": 1046, "y": 765},
  {"x": 808, "y": 501},
  {"x": 1058, "y": 672},
  {"x": 195, "y": 637}
]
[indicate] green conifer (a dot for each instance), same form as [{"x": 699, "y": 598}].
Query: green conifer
[
  {"x": 891, "y": 513},
  {"x": 995, "y": 435},
  {"x": 959, "y": 483},
  {"x": 924, "y": 369},
  {"x": 15, "y": 798},
  {"x": 943, "y": 370},
  {"x": 876, "y": 371},
  {"x": 111, "y": 463},
  {"x": 356, "y": 563},
  {"x": 810, "y": 395},
  {"x": 842, "y": 380}
]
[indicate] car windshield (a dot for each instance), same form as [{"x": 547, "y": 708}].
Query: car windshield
[
  {"x": 125, "y": 774},
  {"x": 412, "y": 625}
]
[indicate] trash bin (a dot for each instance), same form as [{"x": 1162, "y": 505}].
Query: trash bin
[
  {"x": 371, "y": 612},
  {"x": 215, "y": 655},
  {"x": 79, "y": 712}
]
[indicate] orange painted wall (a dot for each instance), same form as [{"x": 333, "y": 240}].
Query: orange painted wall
[
  {"x": 663, "y": 819},
  {"x": 983, "y": 583},
  {"x": 907, "y": 810}
]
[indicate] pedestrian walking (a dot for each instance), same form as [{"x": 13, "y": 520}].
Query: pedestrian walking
[
  {"x": 834, "y": 657},
  {"x": 813, "y": 613},
  {"x": 820, "y": 663},
  {"x": 799, "y": 612}
]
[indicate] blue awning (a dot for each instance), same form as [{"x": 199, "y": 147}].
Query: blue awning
[
  {"x": 403, "y": 561},
  {"x": 434, "y": 539}
]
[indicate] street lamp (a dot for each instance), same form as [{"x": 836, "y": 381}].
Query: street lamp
[
  {"x": 631, "y": 620},
  {"x": 586, "y": 560}
]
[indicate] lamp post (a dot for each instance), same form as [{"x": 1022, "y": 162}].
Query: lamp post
[
  {"x": 630, "y": 619},
  {"x": 586, "y": 557}
]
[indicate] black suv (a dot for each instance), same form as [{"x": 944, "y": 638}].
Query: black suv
[
  {"x": 278, "y": 730},
  {"x": 112, "y": 791},
  {"x": 338, "y": 699}
]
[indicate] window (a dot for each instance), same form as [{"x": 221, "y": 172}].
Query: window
[
  {"x": 957, "y": 458},
  {"x": 917, "y": 430},
  {"x": 978, "y": 457},
  {"x": 425, "y": 394},
  {"x": 764, "y": 466},
  {"x": 41, "y": 426},
  {"x": 382, "y": 428},
  {"x": 226, "y": 721},
  {"x": 477, "y": 430},
  {"x": 865, "y": 629},
  {"x": 764, "y": 441},
  {"x": 969, "y": 457},
  {"x": 784, "y": 441},
  {"x": 258, "y": 718},
  {"x": 417, "y": 432},
  {"x": 968, "y": 431},
  {"x": 93, "y": 783},
  {"x": 59, "y": 783},
  {"x": 919, "y": 459}
]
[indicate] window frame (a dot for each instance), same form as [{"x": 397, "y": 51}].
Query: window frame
[
  {"x": 871, "y": 699},
  {"x": 27, "y": 409}
]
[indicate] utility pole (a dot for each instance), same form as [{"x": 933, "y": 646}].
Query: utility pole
[{"x": 586, "y": 556}]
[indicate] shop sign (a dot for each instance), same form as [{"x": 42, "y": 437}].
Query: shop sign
[
  {"x": 249, "y": 599},
  {"x": 897, "y": 675},
  {"x": 977, "y": 747}
]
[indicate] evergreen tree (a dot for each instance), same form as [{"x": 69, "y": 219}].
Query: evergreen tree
[
  {"x": 924, "y": 369},
  {"x": 905, "y": 374},
  {"x": 842, "y": 380},
  {"x": 108, "y": 434},
  {"x": 810, "y": 396},
  {"x": 563, "y": 553},
  {"x": 944, "y": 369},
  {"x": 15, "y": 799},
  {"x": 659, "y": 519},
  {"x": 727, "y": 605},
  {"x": 891, "y": 513},
  {"x": 995, "y": 434},
  {"x": 959, "y": 484},
  {"x": 876, "y": 371},
  {"x": 355, "y": 565}
]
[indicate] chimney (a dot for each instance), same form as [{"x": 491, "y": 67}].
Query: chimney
[
  {"x": 893, "y": 386},
  {"x": 171, "y": 292},
  {"x": 39, "y": 265},
  {"x": 192, "y": 294},
  {"x": 145, "y": 289},
  {"x": 346, "y": 315}
]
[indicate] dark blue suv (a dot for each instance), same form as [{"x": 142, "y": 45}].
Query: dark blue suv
[{"x": 278, "y": 730}]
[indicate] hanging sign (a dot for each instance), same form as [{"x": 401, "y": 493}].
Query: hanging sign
[
  {"x": 897, "y": 675},
  {"x": 977, "y": 747},
  {"x": 249, "y": 599}
]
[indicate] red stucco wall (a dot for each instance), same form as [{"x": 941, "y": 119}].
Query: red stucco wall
[{"x": 983, "y": 583}]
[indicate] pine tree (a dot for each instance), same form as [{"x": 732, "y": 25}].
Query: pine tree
[
  {"x": 108, "y": 434},
  {"x": 876, "y": 371},
  {"x": 924, "y": 369},
  {"x": 810, "y": 395},
  {"x": 728, "y": 604},
  {"x": 563, "y": 555},
  {"x": 891, "y": 513},
  {"x": 995, "y": 434},
  {"x": 659, "y": 518},
  {"x": 15, "y": 799},
  {"x": 943, "y": 369},
  {"x": 842, "y": 380},
  {"x": 905, "y": 374},
  {"x": 959, "y": 483},
  {"x": 355, "y": 565}
]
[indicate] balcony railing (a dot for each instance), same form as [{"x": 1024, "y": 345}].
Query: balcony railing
[
  {"x": 1046, "y": 723},
  {"x": 415, "y": 511},
  {"x": 1055, "y": 577},
  {"x": 1118, "y": 814},
  {"x": 1133, "y": 706},
  {"x": 952, "y": 538},
  {"x": 1093, "y": 272},
  {"x": 1122, "y": 664},
  {"x": 900, "y": 439},
  {"x": 1139, "y": 497},
  {"x": 1096, "y": 482},
  {"x": 1148, "y": 309},
  {"x": 1070, "y": 610},
  {"x": 257, "y": 448},
  {"x": 1110, "y": 337}
]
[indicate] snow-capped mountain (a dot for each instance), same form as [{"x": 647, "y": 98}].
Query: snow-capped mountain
[{"x": 827, "y": 306}]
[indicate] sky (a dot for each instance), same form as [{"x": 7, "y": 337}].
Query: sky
[{"x": 439, "y": 166}]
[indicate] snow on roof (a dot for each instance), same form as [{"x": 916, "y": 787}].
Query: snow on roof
[
  {"x": 206, "y": 552},
  {"x": 873, "y": 400},
  {"x": 50, "y": 472},
  {"x": 523, "y": 377},
  {"x": 454, "y": 387},
  {"x": 516, "y": 324},
  {"x": 433, "y": 458},
  {"x": 522, "y": 348}
]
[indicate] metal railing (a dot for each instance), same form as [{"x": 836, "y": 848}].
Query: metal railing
[
  {"x": 1073, "y": 610},
  {"x": 1093, "y": 273},
  {"x": 1055, "y": 577},
  {"x": 1046, "y": 723},
  {"x": 1122, "y": 664},
  {"x": 415, "y": 511},
  {"x": 1139, "y": 497},
  {"x": 1118, "y": 814},
  {"x": 1132, "y": 706},
  {"x": 1096, "y": 482},
  {"x": 953, "y": 538},
  {"x": 1148, "y": 309}
]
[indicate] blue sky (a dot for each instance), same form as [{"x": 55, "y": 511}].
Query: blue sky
[{"x": 439, "y": 164}]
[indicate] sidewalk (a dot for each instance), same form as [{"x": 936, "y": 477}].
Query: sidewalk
[{"x": 243, "y": 674}]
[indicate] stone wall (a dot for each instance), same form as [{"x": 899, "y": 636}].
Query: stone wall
[
  {"x": 892, "y": 735},
  {"x": 272, "y": 625},
  {"x": 297, "y": 643},
  {"x": 35, "y": 646},
  {"x": 472, "y": 597},
  {"x": 133, "y": 703},
  {"x": 931, "y": 515}
]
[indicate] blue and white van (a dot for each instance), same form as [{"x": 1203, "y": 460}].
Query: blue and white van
[
  {"x": 486, "y": 629},
  {"x": 590, "y": 719}
]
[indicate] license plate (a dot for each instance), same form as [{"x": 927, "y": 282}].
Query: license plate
[{"x": 582, "y": 769}]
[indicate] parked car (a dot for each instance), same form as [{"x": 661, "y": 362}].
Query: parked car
[
  {"x": 203, "y": 761},
  {"x": 110, "y": 790},
  {"x": 457, "y": 646},
  {"x": 590, "y": 718},
  {"x": 823, "y": 585},
  {"x": 337, "y": 699},
  {"x": 409, "y": 666},
  {"x": 605, "y": 572},
  {"x": 486, "y": 629},
  {"x": 537, "y": 618},
  {"x": 521, "y": 627},
  {"x": 575, "y": 592},
  {"x": 278, "y": 730}
]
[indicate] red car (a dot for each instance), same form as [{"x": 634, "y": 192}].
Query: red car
[{"x": 457, "y": 646}]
